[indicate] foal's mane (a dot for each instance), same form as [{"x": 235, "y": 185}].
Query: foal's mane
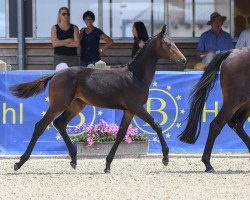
[{"x": 139, "y": 53}]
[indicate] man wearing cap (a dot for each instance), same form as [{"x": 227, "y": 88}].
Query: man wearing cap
[{"x": 214, "y": 40}]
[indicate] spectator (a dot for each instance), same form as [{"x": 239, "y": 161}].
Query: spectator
[
  {"x": 65, "y": 39},
  {"x": 244, "y": 39},
  {"x": 61, "y": 66},
  {"x": 240, "y": 25},
  {"x": 90, "y": 41},
  {"x": 214, "y": 40},
  {"x": 140, "y": 36}
]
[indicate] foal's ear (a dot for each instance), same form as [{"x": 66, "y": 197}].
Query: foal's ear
[{"x": 163, "y": 30}]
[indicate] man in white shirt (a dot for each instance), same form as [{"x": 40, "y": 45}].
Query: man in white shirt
[{"x": 244, "y": 39}]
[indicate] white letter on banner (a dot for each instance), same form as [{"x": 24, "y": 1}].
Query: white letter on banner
[
  {"x": 205, "y": 111},
  {"x": 21, "y": 113},
  {"x": 5, "y": 110},
  {"x": 160, "y": 110}
]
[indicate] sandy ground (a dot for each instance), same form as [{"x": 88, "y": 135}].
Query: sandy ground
[{"x": 130, "y": 178}]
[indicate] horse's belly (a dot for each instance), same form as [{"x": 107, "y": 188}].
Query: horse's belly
[
  {"x": 104, "y": 104},
  {"x": 104, "y": 100}
]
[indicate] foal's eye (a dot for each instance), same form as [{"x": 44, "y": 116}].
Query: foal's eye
[{"x": 169, "y": 44}]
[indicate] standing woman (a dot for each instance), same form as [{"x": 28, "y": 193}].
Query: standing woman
[
  {"x": 140, "y": 36},
  {"x": 90, "y": 41},
  {"x": 65, "y": 39}
]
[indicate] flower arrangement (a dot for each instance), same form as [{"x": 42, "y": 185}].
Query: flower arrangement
[{"x": 103, "y": 132}]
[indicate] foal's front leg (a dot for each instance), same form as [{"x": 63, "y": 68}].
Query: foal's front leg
[
  {"x": 126, "y": 119},
  {"x": 145, "y": 116}
]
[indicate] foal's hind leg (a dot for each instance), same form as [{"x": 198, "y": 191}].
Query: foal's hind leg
[
  {"x": 39, "y": 129},
  {"x": 61, "y": 122},
  {"x": 145, "y": 116},
  {"x": 236, "y": 123},
  {"x": 214, "y": 130},
  {"x": 126, "y": 119},
  {"x": 59, "y": 101}
]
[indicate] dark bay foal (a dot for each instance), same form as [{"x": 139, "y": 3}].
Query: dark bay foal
[{"x": 125, "y": 87}]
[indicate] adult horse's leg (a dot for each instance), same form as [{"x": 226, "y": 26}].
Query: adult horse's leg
[
  {"x": 126, "y": 119},
  {"x": 61, "y": 123},
  {"x": 39, "y": 129},
  {"x": 215, "y": 128},
  {"x": 145, "y": 116},
  {"x": 237, "y": 122}
]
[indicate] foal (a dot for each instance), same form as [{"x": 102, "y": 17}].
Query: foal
[{"x": 124, "y": 88}]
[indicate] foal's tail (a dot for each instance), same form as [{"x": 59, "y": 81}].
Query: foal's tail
[
  {"x": 26, "y": 90},
  {"x": 199, "y": 96}
]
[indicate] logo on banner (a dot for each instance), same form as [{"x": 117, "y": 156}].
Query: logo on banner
[{"x": 165, "y": 108}]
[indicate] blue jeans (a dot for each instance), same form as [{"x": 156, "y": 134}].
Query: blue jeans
[{"x": 86, "y": 63}]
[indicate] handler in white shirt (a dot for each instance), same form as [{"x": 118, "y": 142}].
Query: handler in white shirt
[{"x": 244, "y": 39}]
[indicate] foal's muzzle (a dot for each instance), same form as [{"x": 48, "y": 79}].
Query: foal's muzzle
[{"x": 182, "y": 62}]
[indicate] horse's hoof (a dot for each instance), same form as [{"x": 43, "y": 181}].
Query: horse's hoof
[
  {"x": 73, "y": 165},
  {"x": 16, "y": 167},
  {"x": 210, "y": 170},
  {"x": 165, "y": 161},
  {"x": 107, "y": 171}
]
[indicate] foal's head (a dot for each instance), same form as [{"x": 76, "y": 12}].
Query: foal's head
[{"x": 167, "y": 49}]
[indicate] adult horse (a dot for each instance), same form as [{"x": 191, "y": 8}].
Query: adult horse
[
  {"x": 234, "y": 78},
  {"x": 124, "y": 88}
]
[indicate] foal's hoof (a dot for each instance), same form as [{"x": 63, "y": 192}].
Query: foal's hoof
[
  {"x": 16, "y": 167},
  {"x": 107, "y": 171},
  {"x": 73, "y": 165},
  {"x": 165, "y": 161},
  {"x": 210, "y": 170}
]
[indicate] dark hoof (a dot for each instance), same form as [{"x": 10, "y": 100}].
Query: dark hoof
[
  {"x": 107, "y": 171},
  {"x": 73, "y": 165},
  {"x": 210, "y": 170},
  {"x": 16, "y": 167},
  {"x": 165, "y": 161}
]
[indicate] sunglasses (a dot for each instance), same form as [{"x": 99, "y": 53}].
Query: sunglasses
[{"x": 64, "y": 14}]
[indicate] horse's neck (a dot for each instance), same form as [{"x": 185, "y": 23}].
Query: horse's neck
[{"x": 144, "y": 67}]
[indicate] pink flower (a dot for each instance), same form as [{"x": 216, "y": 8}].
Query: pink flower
[
  {"x": 88, "y": 129},
  {"x": 128, "y": 139},
  {"x": 97, "y": 133},
  {"x": 90, "y": 141}
]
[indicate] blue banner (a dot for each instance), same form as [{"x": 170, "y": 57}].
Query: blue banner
[{"x": 167, "y": 103}]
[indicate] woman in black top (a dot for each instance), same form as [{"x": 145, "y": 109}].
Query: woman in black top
[
  {"x": 140, "y": 36},
  {"x": 65, "y": 39},
  {"x": 90, "y": 40}
]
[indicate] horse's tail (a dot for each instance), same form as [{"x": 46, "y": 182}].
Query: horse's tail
[
  {"x": 26, "y": 90},
  {"x": 198, "y": 98}
]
